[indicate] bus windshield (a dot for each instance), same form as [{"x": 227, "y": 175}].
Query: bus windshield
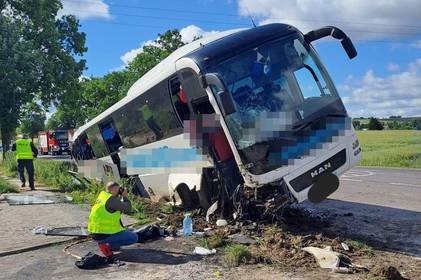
[
  {"x": 278, "y": 89},
  {"x": 60, "y": 135}
]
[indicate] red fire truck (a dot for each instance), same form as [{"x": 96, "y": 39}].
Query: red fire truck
[{"x": 54, "y": 142}]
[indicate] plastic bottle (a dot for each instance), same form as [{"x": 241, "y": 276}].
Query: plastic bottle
[{"x": 187, "y": 225}]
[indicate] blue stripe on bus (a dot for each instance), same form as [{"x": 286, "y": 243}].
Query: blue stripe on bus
[{"x": 163, "y": 157}]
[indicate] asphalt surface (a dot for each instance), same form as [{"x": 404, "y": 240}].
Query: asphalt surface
[
  {"x": 380, "y": 206},
  {"x": 389, "y": 187}
]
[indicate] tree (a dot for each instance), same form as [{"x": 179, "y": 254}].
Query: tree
[
  {"x": 39, "y": 57},
  {"x": 356, "y": 124},
  {"x": 151, "y": 55},
  {"x": 375, "y": 124},
  {"x": 33, "y": 120}
]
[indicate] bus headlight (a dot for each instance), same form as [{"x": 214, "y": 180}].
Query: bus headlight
[{"x": 355, "y": 144}]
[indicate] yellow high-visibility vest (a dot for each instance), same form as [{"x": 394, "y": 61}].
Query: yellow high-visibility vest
[
  {"x": 102, "y": 221},
  {"x": 23, "y": 149}
]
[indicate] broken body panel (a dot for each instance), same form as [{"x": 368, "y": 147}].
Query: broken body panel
[{"x": 265, "y": 88}]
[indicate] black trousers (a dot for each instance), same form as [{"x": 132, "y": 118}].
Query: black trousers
[{"x": 27, "y": 164}]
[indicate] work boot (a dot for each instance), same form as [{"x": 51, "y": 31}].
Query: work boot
[
  {"x": 105, "y": 249},
  {"x": 22, "y": 186},
  {"x": 32, "y": 188}
]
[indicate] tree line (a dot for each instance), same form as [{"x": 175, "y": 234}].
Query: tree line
[{"x": 376, "y": 124}]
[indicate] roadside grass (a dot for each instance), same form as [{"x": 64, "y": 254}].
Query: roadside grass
[
  {"x": 358, "y": 245},
  {"x": 6, "y": 187},
  {"x": 54, "y": 173},
  {"x": 390, "y": 148},
  {"x": 213, "y": 242},
  {"x": 49, "y": 172},
  {"x": 9, "y": 165},
  {"x": 236, "y": 254}
]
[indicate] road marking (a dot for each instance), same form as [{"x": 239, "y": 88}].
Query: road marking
[
  {"x": 403, "y": 184},
  {"x": 361, "y": 173},
  {"x": 353, "y": 180}
]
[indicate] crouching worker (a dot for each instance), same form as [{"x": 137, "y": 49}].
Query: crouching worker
[{"x": 105, "y": 219}]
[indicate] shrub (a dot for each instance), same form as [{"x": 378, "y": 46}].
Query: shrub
[{"x": 236, "y": 254}]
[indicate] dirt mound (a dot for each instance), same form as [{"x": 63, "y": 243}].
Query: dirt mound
[{"x": 388, "y": 272}]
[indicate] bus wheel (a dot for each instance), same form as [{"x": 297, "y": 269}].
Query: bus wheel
[{"x": 187, "y": 197}]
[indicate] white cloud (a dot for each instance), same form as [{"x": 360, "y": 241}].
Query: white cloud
[
  {"x": 393, "y": 67},
  {"x": 187, "y": 33},
  {"x": 86, "y": 9},
  {"x": 130, "y": 55},
  {"x": 396, "y": 94},
  {"x": 360, "y": 19}
]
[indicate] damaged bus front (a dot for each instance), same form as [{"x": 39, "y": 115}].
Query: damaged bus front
[{"x": 284, "y": 119}]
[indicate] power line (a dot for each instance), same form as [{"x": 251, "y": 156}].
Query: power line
[
  {"x": 238, "y": 24},
  {"x": 235, "y": 15},
  {"x": 159, "y": 17}
]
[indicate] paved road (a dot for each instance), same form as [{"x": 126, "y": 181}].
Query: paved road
[{"x": 390, "y": 187}]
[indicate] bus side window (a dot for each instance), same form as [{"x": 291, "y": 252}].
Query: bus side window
[
  {"x": 111, "y": 136},
  {"x": 96, "y": 141},
  {"x": 179, "y": 99},
  {"x": 81, "y": 149}
]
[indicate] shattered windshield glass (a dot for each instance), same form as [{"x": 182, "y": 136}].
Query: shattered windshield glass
[{"x": 278, "y": 88}]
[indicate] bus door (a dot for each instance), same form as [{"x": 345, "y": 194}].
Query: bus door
[{"x": 112, "y": 140}]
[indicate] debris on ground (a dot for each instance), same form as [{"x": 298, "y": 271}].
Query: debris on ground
[
  {"x": 326, "y": 258},
  {"x": 345, "y": 246},
  {"x": 388, "y": 272},
  {"x": 203, "y": 251},
  {"x": 279, "y": 240},
  {"x": 40, "y": 229},
  {"x": 68, "y": 231},
  {"x": 94, "y": 261},
  {"x": 76, "y": 231},
  {"x": 241, "y": 239},
  {"x": 221, "y": 223},
  {"x": 29, "y": 199}
]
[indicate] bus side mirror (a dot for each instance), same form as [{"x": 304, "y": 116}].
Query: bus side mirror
[
  {"x": 335, "y": 33},
  {"x": 224, "y": 97}
]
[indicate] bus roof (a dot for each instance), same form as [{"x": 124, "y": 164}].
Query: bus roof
[{"x": 163, "y": 70}]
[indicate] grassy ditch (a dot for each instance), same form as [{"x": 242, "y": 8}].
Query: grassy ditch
[
  {"x": 6, "y": 187},
  {"x": 48, "y": 172}
]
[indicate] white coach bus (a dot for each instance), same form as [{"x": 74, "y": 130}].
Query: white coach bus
[{"x": 282, "y": 118}]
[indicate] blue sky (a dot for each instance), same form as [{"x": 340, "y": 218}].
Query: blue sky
[{"x": 384, "y": 79}]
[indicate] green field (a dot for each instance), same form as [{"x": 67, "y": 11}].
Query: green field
[{"x": 390, "y": 148}]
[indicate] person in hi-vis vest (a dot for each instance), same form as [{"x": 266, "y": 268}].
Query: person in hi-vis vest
[
  {"x": 25, "y": 154},
  {"x": 105, "y": 224}
]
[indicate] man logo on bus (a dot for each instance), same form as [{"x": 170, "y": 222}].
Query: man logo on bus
[{"x": 321, "y": 169}]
